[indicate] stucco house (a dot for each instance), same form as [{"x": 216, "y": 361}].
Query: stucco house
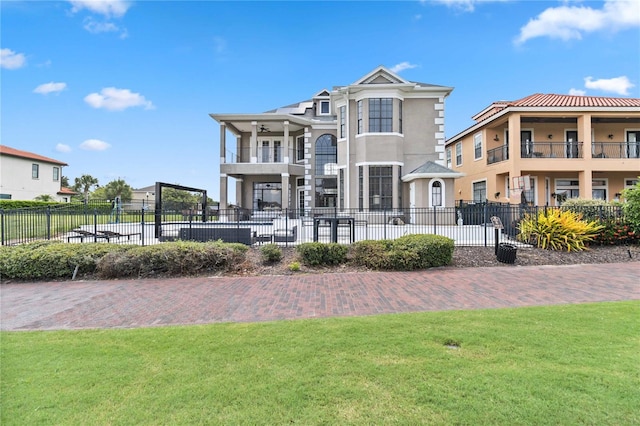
[
  {"x": 374, "y": 145},
  {"x": 25, "y": 175},
  {"x": 545, "y": 148}
]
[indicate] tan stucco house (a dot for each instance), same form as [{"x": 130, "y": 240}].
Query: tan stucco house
[
  {"x": 26, "y": 175},
  {"x": 545, "y": 148},
  {"x": 376, "y": 144}
]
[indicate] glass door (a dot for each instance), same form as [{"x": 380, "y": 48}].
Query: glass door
[
  {"x": 572, "y": 144},
  {"x": 633, "y": 144}
]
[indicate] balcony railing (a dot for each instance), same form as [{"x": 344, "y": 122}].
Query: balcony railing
[
  {"x": 498, "y": 154},
  {"x": 615, "y": 149},
  {"x": 263, "y": 154},
  {"x": 551, "y": 150}
]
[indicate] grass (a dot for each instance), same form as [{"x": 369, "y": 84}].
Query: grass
[{"x": 565, "y": 365}]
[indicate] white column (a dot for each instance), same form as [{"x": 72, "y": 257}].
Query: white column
[
  {"x": 285, "y": 143},
  {"x": 253, "y": 150}
]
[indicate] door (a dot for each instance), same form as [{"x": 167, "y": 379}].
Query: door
[
  {"x": 572, "y": 144},
  {"x": 300, "y": 202},
  {"x": 526, "y": 144},
  {"x": 412, "y": 201},
  {"x": 633, "y": 144}
]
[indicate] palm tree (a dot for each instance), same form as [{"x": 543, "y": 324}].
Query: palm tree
[
  {"x": 118, "y": 188},
  {"x": 83, "y": 184}
]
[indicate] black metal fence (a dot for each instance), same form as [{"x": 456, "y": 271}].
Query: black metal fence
[{"x": 468, "y": 224}]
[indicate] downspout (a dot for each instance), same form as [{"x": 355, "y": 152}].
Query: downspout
[{"x": 347, "y": 176}]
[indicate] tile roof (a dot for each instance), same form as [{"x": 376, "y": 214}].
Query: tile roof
[
  {"x": 542, "y": 100},
  {"x": 7, "y": 150},
  {"x": 67, "y": 191}
]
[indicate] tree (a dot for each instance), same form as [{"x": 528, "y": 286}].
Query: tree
[
  {"x": 84, "y": 184},
  {"x": 631, "y": 206},
  {"x": 44, "y": 197},
  {"x": 64, "y": 182},
  {"x": 118, "y": 188}
]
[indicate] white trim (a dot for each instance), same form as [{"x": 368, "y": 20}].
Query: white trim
[
  {"x": 380, "y": 163},
  {"x": 442, "y": 195},
  {"x": 401, "y": 135}
]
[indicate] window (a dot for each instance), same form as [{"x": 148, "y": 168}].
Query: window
[
  {"x": 56, "y": 174},
  {"x": 326, "y": 192},
  {"x": 449, "y": 158},
  {"x": 300, "y": 148},
  {"x": 341, "y": 188},
  {"x": 599, "y": 189},
  {"x": 277, "y": 152},
  {"x": 380, "y": 187},
  {"x": 342, "y": 122},
  {"x": 360, "y": 190},
  {"x": 566, "y": 189},
  {"x": 630, "y": 183},
  {"x": 267, "y": 195},
  {"x": 436, "y": 194},
  {"x": 477, "y": 146},
  {"x": 324, "y": 107},
  {"x": 400, "y": 117},
  {"x": 380, "y": 115},
  {"x": 326, "y": 155},
  {"x": 5, "y": 196},
  {"x": 459, "y": 154},
  {"x": 35, "y": 171},
  {"x": 360, "y": 117},
  {"x": 480, "y": 191}
]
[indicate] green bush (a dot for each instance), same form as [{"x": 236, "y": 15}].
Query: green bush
[
  {"x": 271, "y": 253},
  {"x": 631, "y": 206},
  {"x": 616, "y": 232},
  {"x": 591, "y": 209},
  {"x": 316, "y": 254},
  {"x": 406, "y": 253},
  {"x": 172, "y": 259},
  {"x": 50, "y": 260}
]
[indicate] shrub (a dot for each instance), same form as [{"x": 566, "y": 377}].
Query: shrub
[
  {"x": 174, "y": 258},
  {"x": 52, "y": 259},
  {"x": 316, "y": 254},
  {"x": 294, "y": 266},
  {"x": 372, "y": 254},
  {"x": 616, "y": 232},
  {"x": 409, "y": 252},
  {"x": 271, "y": 253},
  {"x": 558, "y": 230},
  {"x": 631, "y": 206},
  {"x": 591, "y": 209}
]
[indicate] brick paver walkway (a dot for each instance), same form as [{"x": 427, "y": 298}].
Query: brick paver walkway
[{"x": 151, "y": 302}]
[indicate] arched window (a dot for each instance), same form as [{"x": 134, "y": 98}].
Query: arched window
[
  {"x": 436, "y": 193},
  {"x": 326, "y": 171}
]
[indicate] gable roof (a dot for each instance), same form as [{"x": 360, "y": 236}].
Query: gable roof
[
  {"x": 541, "y": 100},
  {"x": 431, "y": 169},
  {"x": 7, "y": 150}
]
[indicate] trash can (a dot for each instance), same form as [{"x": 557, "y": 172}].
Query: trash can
[{"x": 507, "y": 253}]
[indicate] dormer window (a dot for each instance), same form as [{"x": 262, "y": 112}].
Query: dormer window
[{"x": 324, "y": 108}]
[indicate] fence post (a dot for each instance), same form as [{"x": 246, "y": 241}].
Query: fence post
[
  {"x": 142, "y": 222},
  {"x": 95, "y": 225},
  {"x": 435, "y": 220},
  {"x": 48, "y": 214},
  {"x": 2, "y": 226}
]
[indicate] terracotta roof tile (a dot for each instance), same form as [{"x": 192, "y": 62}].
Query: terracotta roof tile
[
  {"x": 552, "y": 100},
  {"x": 7, "y": 150}
]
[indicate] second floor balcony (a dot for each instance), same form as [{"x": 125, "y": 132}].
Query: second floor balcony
[
  {"x": 262, "y": 155},
  {"x": 568, "y": 149}
]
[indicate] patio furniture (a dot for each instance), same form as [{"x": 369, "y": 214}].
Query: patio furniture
[{"x": 86, "y": 234}]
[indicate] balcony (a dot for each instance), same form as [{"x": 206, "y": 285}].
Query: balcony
[
  {"x": 263, "y": 155},
  {"x": 551, "y": 150},
  {"x": 615, "y": 149},
  {"x": 498, "y": 154}
]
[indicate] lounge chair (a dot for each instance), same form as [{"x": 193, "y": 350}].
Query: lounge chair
[
  {"x": 113, "y": 234},
  {"x": 86, "y": 234}
]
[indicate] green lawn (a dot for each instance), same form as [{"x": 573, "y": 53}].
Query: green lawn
[{"x": 560, "y": 365}]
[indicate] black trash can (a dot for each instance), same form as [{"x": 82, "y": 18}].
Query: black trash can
[{"x": 507, "y": 253}]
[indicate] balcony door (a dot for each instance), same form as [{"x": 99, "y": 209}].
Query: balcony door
[
  {"x": 632, "y": 148},
  {"x": 572, "y": 144},
  {"x": 269, "y": 151},
  {"x": 526, "y": 143}
]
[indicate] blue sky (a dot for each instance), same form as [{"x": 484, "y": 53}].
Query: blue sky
[{"x": 123, "y": 89}]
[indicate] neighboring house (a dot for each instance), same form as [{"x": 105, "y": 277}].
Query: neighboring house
[
  {"x": 545, "y": 148},
  {"x": 144, "y": 196},
  {"x": 26, "y": 175},
  {"x": 377, "y": 144},
  {"x": 65, "y": 194}
]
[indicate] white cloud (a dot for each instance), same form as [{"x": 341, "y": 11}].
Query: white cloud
[
  {"x": 108, "y": 8},
  {"x": 95, "y": 27},
  {"x": 114, "y": 99},
  {"x": 63, "y": 148},
  {"x": 94, "y": 145},
  {"x": 571, "y": 22},
  {"x": 402, "y": 66},
  {"x": 463, "y": 5},
  {"x": 577, "y": 92},
  {"x": 52, "y": 87},
  {"x": 619, "y": 85},
  {"x": 11, "y": 60}
]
